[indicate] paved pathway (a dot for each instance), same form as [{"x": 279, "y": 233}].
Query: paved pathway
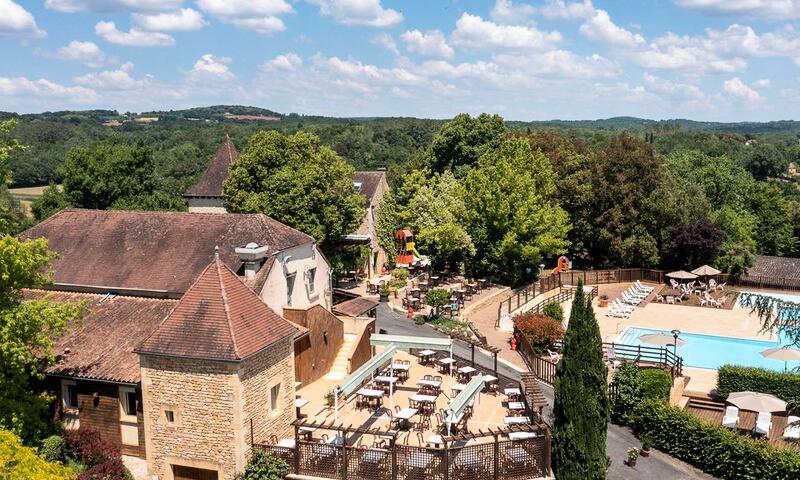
[{"x": 658, "y": 466}]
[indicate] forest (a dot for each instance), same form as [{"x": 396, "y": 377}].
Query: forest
[{"x": 482, "y": 193}]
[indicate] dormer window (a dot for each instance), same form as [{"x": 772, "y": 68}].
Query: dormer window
[{"x": 357, "y": 186}]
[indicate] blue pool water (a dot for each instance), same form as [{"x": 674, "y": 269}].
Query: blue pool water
[
  {"x": 783, "y": 296},
  {"x": 709, "y": 351}
]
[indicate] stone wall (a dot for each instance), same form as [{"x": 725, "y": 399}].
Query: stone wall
[
  {"x": 206, "y": 398},
  {"x": 258, "y": 374}
]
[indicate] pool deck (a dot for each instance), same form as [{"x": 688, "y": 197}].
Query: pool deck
[{"x": 736, "y": 322}]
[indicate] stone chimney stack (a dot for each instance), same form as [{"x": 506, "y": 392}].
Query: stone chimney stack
[{"x": 252, "y": 256}]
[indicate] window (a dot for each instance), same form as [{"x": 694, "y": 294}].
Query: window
[
  {"x": 169, "y": 416},
  {"x": 311, "y": 275},
  {"x": 274, "y": 393},
  {"x": 69, "y": 394},
  {"x": 127, "y": 404},
  {"x": 357, "y": 186},
  {"x": 290, "y": 288}
]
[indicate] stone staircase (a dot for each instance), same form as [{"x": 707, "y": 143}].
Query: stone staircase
[{"x": 340, "y": 365}]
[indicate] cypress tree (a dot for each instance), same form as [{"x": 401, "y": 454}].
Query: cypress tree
[{"x": 581, "y": 406}]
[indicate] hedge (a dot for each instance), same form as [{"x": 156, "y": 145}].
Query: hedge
[
  {"x": 656, "y": 384},
  {"x": 735, "y": 378},
  {"x": 711, "y": 448}
]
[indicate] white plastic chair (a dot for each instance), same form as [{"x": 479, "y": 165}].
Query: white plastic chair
[
  {"x": 792, "y": 432},
  {"x": 731, "y": 418},
  {"x": 763, "y": 423}
]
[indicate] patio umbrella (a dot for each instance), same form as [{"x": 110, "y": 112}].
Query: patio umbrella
[
  {"x": 706, "y": 271},
  {"x": 661, "y": 339},
  {"x": 682, "y": 275},
  {"x": 757, "y": 402},
  {"x": 782, "y": 353}
]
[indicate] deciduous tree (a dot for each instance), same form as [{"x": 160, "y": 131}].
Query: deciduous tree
[{"x": 463, "y": 140}]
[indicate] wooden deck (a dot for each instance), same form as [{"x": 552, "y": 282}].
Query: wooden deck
[{"x": 713, "y": 412}]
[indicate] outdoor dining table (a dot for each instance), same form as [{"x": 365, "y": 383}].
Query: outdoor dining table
[
  {"x": 425, "y": 356},
  {"x": 516, "y": 420},
  {"x": 430, "y": 383},
  {"x": 422, "y": 398},
  {"x": 491, "y": 382},
  {"x": 374, "y": 455},
  {"x": 286, "y": 443},
  {"x": 518, "y": 454},
  {"x": 404, "y": 416},
  {"x": 402, "y": 367},
  {"x": 512, "y": 392},
  {"x": 435, "y": 279},
  {"x": 516, "y": 406},
  {"x": 307, "y": 431},
  {"x": 298, "y": 404},
  {"x": 385, "y": 379},
  {"x": 419, "y": 459},
  {"x": 414, "y": 301},
  {"x": 372, "y": 393},
  {"x": 458, "y": 388},
  {"x": 521, "y": 435},
  {"x": 435, "y": 440}
]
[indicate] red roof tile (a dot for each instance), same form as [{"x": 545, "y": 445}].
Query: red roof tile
[
  {"x": 212, "y": 180},
  {"x": 218, "y": 318},
  {"x": 161, "y": 251},
  {"x": 101, "y": 343}
]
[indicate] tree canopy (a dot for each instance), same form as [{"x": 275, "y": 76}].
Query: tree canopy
[
  {"x": 297, "y": 181},
  {"x": 463, "y": 140}
]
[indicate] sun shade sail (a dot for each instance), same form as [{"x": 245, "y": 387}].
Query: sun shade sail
[{"x": 353, "y": 382}]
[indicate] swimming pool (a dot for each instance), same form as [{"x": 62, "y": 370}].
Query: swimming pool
[
  {"x": 787, "y": 297},
  {"x": 710, "y": 351}
]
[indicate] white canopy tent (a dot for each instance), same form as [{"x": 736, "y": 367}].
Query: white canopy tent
[
  {"x": 457, "y": 405},
  {"x": 353, "y": 381}
]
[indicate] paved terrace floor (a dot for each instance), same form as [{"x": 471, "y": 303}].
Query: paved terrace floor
[{"x": 489, "y": 410}]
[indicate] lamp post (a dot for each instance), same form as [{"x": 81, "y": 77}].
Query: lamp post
[{"x": 675, "y": 334}]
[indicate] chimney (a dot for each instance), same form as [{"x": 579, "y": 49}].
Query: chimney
[{"x": 252, "y": 256}]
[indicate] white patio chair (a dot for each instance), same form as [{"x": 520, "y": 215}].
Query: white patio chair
[
  {"x": 659, "y": 298},
  {"x": 554, "y": 356},
  {"x": 792, "y": 432},
  {"x": 731, "y": 418},
  {"x": 621, "y": 306},
  {"x": 670, "y": 299},
  {"x": 721, "y": 286},
  {"x": 712, "y": 285},
  {"x": 673, "y": 283},
  {"x": 763, "y": 423}
]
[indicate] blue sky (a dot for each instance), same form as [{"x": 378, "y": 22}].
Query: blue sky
[{"x": 723, "y": 60}]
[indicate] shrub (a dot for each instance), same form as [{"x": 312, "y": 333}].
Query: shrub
[
  {"x": 735, "y": 378},
  {"x": 711, "y": 448},
  {"x": 656, "y": 384},
  {"x": 400, "y": 274},
  {"x": 101, "y": 457},
  {"x": 54, "y": 448},
  {"x": 264, "y": 467},
  {"x": 20, "y": 462},
  {"x": 437, "y": 298},
  {"x": 540, "y": 330},
  {"x": 628, "y": 380},
  {"x": 554, "y": 311}
]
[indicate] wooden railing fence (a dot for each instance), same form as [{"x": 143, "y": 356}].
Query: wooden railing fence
[{"x": 518, "y": 297}]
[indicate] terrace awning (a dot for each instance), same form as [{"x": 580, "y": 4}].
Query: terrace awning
[
  {"x": 352, "y": 383},
  {"x": 459, "y": 403},
  {"x": 404, "y": 342}
]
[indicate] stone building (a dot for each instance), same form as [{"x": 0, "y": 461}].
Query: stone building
[
  {"x": 373, "y": 186},
  {"x": 206, "y": 195},
  {"x": 217, "y": 374}
]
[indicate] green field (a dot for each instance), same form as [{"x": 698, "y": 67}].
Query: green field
[{"x": 26, "y": 195}]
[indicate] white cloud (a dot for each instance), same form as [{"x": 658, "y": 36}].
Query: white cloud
[
  {"x": 386, "y": 41},
  {"x": 15, "y": 21},
  {"x": 260, "y": 16},
  {"x": 288, "y": 62},
  {"x": 599, "y": 28},
  {"x": 43, "y": 88},
  {"x": 473, "y": 31},
  {"x": 674, "y": 90},
  {"x": 560, "y": 64},
  {"x": 504, "y": 11},
  {"x": 428, "y": 44},
  {"x": 737, "y": 88},
  {"x": 133, "y": 38},
  {"x": 369, "y": 13},
  {"x": 559, "y": 9},
  {"x": 762, "y": 83},
  {"x": 107, "y": 6},
  {"x": 88, "y": 53},
  {"x": 183, "y": 20},
  {"x": 119, "y": 79},
  {"x": 773, "y": 9},
  {"x": 211, "y": 67}
]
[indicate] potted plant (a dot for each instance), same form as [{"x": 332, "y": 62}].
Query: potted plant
[
  {"x": 633, "y": 455},
  {"x": 602, "y": 301},
  {"x": 647, "y": 443},
  {"x": 383, "y": 294},
  {"x": 329, "y": 400}
]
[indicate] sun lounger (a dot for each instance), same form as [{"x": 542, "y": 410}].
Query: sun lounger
[
  {"x": 792, "y": 432},
  {"x": 763, "y": 423},
  {"x": 731, "y": 418},
  {"x": 617, "y": 313}
]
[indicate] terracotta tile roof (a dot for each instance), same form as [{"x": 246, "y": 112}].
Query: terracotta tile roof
[
  {"x": 369, "y": 183},
  {"x": 101, "y": 343},
  {"x": 218, "y": 318},
  {"x": 775, "y": 268},
  {"x": 355, "y": 307},
  {"x": 210, "y": 183},
  {"x": 162, "y": 251}
]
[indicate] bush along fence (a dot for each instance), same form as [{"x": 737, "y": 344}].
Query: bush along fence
[
  {"x": 713, "y": 449},
  {"x": 735, "y": 378}
]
